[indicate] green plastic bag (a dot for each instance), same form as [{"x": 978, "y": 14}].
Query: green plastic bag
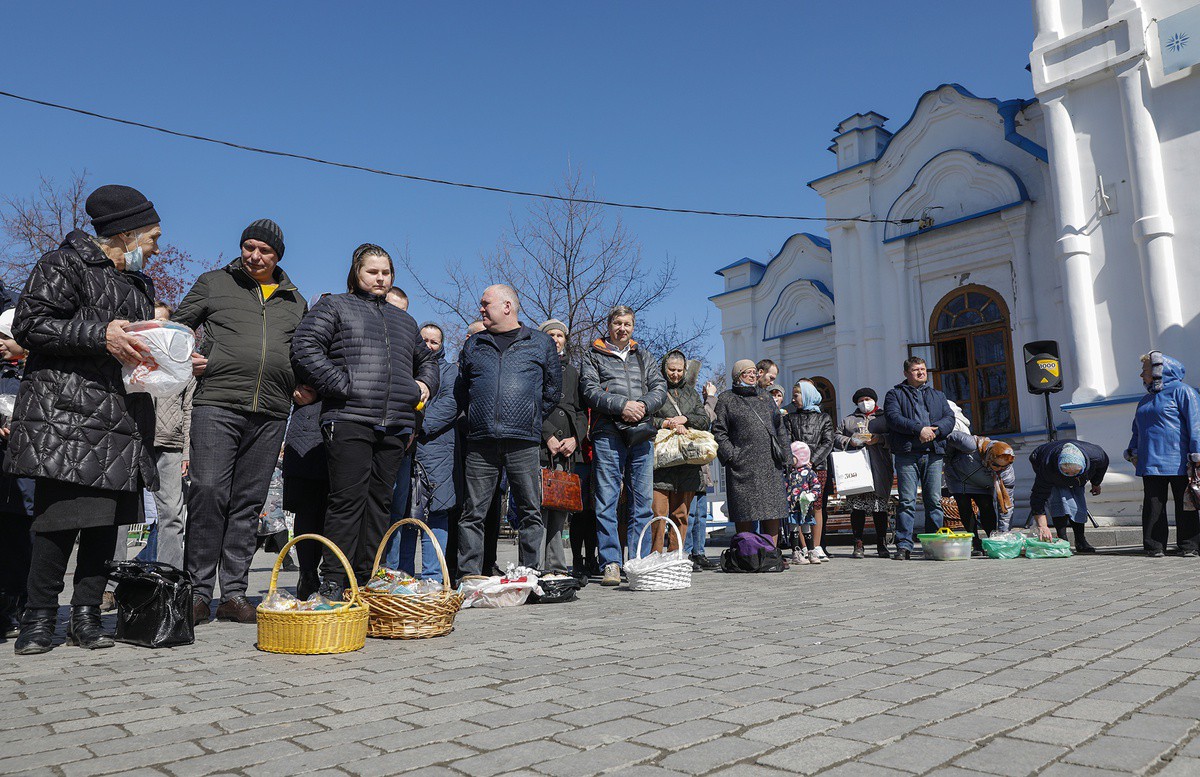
[
  {"x": 1003, "y": 548},
  {"x": 1038, "y": 549}
]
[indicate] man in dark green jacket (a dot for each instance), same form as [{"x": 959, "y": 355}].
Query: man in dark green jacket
[{"x": 249, "y": 310}]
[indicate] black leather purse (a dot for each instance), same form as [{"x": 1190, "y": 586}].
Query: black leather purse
[{"x": 154, "y": 604}]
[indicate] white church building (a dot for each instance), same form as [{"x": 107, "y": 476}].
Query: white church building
[{"x": 980, "y": 225}]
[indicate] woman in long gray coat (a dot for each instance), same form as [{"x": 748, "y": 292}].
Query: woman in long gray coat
[
  {"x": 747, "y": 419},
  {"x": 675, "y": 486}
]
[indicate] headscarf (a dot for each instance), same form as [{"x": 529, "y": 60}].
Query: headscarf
[
  {"x": 997, "y": 456},
  {"x": 809, "y": 395},
  {"x": 1071, "y": 455}
]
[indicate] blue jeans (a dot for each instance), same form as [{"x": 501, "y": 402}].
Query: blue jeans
[
  {"x": 438, "y": 522},
  {"x": 613, "y": 464},
  {"x": 693, "y": 543},
  {"x": 913, "y": 469},
  {"x": 401, "y": 496}
]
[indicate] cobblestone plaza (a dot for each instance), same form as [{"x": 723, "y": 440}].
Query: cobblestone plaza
[{"x": 1084, "y": 666}]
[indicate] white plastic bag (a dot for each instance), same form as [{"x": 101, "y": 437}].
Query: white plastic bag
[
  {"x": 169, "y": 368},
  {"x": 672, "y": 449},
  {"x": 508, "y": 591}
]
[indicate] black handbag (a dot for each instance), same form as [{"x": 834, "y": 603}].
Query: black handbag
[{"x": 154, "y": 604}]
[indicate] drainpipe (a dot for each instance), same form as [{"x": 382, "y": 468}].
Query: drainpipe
[{"x": 1008, "y": 111}]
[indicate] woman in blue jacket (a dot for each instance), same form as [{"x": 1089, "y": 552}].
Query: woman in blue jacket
[{"x": 1164, "y": 446}]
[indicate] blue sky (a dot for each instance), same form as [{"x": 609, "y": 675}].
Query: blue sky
[{"x": 723, "y": 106}]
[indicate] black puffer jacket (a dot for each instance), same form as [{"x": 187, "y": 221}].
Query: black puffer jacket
[
  {"x": 508, "y": 395},
  {"x": 815, "y": 429},
  {"x": 246, "y": 339},
  {"x": 73, "y": 420},
  {"x": 607, "y": 382},
  {"x": 364, "y": 357}
]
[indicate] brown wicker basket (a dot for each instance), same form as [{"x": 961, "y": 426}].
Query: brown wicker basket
[
  {"x": 313, "y": 632},
  {"x": 416, "y": 616}
]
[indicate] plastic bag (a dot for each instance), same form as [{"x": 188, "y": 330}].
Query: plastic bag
[
  {"x": 1004, "y": 544},
  {"x": 510, "y": 590},
  {"x": 1038, "y": 549},
  {"x": 651, "y": 562},
  {"x": 166, "y": 372},
  {"x": 557, "y": 589},
  {"x": 672, "y": 449},
  {"x": 8, "y": 403}
]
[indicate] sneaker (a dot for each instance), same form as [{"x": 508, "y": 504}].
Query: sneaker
[
  {"x": 1189, "y": 553},
  {"x": 859, "y": 552},
  {"x": 612, "y": 575},
  {"x": 706, "y": 563},
  {"x": 817, "y": 556},
  {"x": 902, "y": 554},
  {"x": 1155, "y": 553},
  {"x": 802, "y": 558},
  {"x": 882, "y": 551}
]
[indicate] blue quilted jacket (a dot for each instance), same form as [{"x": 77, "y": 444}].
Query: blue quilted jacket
[{"x": 508, "y": 395}]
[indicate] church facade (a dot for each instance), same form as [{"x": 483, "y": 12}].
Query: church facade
[{"x": 979, "y": 225}]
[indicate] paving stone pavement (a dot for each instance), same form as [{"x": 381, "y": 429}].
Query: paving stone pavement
[{"x": 1085, "y": 666}]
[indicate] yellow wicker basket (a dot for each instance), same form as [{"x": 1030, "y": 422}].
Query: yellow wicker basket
[
  {"x": 314, "y": 632},
  {"x": 416, "y": 616}
]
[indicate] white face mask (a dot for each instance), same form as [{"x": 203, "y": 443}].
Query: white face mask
[
  {"x": 866, "y": 405},
  {"x": 134, "y": 258}
]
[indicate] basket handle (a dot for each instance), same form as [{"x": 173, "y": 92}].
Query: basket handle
[
  {"x": 437, "y": 547},
  {"x": 670, "y": 523},
  {"x": 945, "y": 530},
  {"x": 336, "y": 551}
]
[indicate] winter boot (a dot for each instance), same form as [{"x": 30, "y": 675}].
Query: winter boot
[
  {"x": 1081, "y": 543},
  {"x": 84, "y": 628},
  {"x": 37, "y": 631}
]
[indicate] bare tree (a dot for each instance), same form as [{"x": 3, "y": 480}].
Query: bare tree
[
  {"x": 35, "y": 225},
  {"x": 567, "y": 261}
]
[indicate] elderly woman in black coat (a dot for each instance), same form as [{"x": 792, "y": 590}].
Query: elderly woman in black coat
[
  {"x": 86, "y": 442},
  {"x": 675, "y": 486},
  {"x": 747, "y": 422}
]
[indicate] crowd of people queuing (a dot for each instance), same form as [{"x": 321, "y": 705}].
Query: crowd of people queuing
[{"x": 376, "y": 422}]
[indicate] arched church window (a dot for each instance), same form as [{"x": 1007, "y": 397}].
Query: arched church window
[{"x": 971, "y": 334}]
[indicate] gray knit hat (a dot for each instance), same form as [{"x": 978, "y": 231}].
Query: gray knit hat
[
  {"x": 554, "y": 323},
  {"x": 268, "y": 232}
]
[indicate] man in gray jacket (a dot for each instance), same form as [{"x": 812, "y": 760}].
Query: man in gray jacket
[{"x": 624, "y": 387}]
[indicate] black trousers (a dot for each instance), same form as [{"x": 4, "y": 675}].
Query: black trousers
[
  {"x": 987, "y": 515},
  {"x": 583, "y": 538},
  {"x": 1154, "y": 514},
  {"x": 308, "y": 500},
  {"x": 16, "y": 547},
  {"x": 858, "y": 525},
  {"x": 363, "y": 464},
  {"x": 48, "y": 565}
]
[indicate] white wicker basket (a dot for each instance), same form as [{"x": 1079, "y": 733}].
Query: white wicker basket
[{"x": 671, "y": 575}]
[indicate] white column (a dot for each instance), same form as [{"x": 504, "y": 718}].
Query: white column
[
  {"x": 1047, "y": 22},
  {"x": 1153, "y": 228},
  {"x": 845, "y": 294},
  {"x": 874, "y": 325},
  {"x": 1074, "y": 248}
]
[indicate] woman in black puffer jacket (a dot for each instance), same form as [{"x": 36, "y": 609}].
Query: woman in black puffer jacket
[
  {"x": 368, "y": 363},
  {"x": 75, "y": 431},
  {"x": 810, "y": 425}
]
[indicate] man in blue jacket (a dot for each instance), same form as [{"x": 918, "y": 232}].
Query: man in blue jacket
[
  {"x": 919, "y": 419},
  {"x": 510, "y": 379}
]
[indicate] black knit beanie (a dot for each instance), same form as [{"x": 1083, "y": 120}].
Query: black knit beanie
[
  {"x": 268, "y": 232},
  {"x": 864, "y": 392},
  {"x": 115, "y": 209}
]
